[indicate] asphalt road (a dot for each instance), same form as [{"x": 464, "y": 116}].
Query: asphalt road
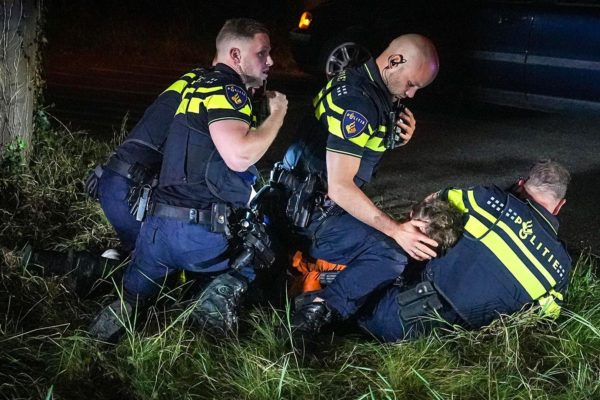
[{"x": 453, "y": 146}]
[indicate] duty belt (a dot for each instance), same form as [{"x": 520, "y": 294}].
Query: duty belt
[
  {"x": 191, "y": 215},
  {"x": 135, "y": 172},
  {"x": 217, "y": 217}
]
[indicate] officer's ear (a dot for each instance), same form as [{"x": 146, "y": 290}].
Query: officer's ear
[
  {"x": 394, "y": 60},
  {"x": 559, "y": 206},
  {"x": 235, "y": 55}
]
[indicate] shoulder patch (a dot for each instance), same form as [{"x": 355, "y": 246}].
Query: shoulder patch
[
  {"x": 236, "y": 96},
  {"x": 353, "y": 124}
]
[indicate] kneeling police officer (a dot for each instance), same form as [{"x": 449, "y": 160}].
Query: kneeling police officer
[{"x": 206, "y": 178}]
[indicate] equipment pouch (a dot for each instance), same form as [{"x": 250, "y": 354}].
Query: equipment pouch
[
  {"x": 418, "y": 301},
  {"x": 219, "y": 218},
  {"x": 420, "y": 308},
  {"x": 415, "y": 292}
]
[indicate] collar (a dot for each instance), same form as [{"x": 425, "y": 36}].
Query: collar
[
  {"x": 227, "y": 70},
  {"x": 551, "y": 220},
  {"x": 372, "y": 71}
]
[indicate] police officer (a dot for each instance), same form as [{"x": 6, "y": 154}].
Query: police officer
[
  {"x": 207, "y": 173},
  {"x": 508, "y": 256},
  {"x": 353, "y": 123},
  {"x": 116, "y": 184},
  {"x": 136, "y": 162}
]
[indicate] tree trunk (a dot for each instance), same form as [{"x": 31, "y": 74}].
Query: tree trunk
[{"x": 19, "y": 70}]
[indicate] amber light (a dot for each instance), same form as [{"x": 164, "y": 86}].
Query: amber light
[{"x": 305, "y": 20}]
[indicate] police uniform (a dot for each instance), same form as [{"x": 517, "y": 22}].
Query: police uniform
[
  {"x": 193, "y": 180},
  {"x": 351, "y": 116},
  {"x": 137, "y": 160},
  {"x": 508, "y": 256}
]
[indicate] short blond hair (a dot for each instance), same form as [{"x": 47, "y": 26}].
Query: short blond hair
[{"x": 239, "y": 28}]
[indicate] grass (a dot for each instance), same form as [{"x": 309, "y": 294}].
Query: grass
[{"x": 45, "y": 353}]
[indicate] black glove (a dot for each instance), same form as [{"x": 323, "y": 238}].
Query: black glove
[{"x": 91, "y": 182}]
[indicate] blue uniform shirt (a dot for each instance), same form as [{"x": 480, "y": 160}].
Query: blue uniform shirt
[
  {"x": 145, "y": 142},
  {"x": 350, "y": 117},
  {"x": 193, "y": 173},
  {"x": 509, "y": 256}
]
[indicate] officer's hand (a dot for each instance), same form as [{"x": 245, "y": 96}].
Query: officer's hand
[
  {"x": 410, "y": 237},
  {"x": 407, "y": 122},
  {"x": 277, "y": 102}
]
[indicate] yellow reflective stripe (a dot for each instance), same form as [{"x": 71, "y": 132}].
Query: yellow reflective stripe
[
  {"x": 361, "y": 140},
  {"x": 333, "y": 107},
  {"x": 218, "y": 101},
  {"x": 334, "y": 126},
  {"x": 478, "y": 209},
  {"x": 320, "y": 110},
  {"x": 375, "y": 144},
  {"x": 319, "y": 95},
  {"x": 549, "y": 307},
  {"x": 382, "y": 128},
  {"x": 202, "y": 89},
  {"x": 455, "y": 197},
  {"x": 475, "y": 227},
  {"x": 556, "y": 294},
  {"x": 177, "y": 86},
  {"x": 316, "y": 99},
  {"x": 182, "y": 106},
  {"x": 518, "y": 242},
  {"x": 181, "y": 84},
  {"x": 513, "y": 263},
  {"x": 194, "y": 105}
]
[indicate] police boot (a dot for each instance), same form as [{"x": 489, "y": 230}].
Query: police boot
[
  {"x": 111, "y": 322},
  {"x": 80, "y": 270},
  {"x": 217, "y": 306},
  {"x": 308, "y": 321}
]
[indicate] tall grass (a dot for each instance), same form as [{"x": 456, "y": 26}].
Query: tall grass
[{"x": 45, "y": 353}]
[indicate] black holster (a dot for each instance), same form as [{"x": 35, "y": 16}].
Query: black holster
[
  {"x": 303, "y": 200},
  {"x": 418, "y": 301}
]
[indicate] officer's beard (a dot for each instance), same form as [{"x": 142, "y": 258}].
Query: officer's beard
[
  {"x": 249, "y": 81},
  {"x": 386, "y": 80}
]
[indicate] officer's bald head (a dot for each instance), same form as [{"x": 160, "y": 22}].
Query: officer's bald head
[
  {"x": 409, "y": 63},
  {"x": 235, "y": 31},
  {"x": 416, "y": 45}
]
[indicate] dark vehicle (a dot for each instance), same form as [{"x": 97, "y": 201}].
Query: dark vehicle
[{"x": 538, "y": 54}]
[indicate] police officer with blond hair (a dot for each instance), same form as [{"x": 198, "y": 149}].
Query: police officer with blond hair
[{"x": 207, "y": 174}]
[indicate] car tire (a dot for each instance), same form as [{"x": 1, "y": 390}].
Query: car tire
[{"x": 341, "y": 53}]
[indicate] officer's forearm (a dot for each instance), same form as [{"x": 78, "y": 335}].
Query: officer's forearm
[
  {"x": 260, "y": 139},
  {"x": 356, "y": 203}
]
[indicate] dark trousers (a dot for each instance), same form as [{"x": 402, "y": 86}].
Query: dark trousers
[
  {"x": 373, "y": 259},
  {"x": 166, "y": 245},
  {"x": 382, "y": 317},
  {"x": 113, "y": 191}
]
